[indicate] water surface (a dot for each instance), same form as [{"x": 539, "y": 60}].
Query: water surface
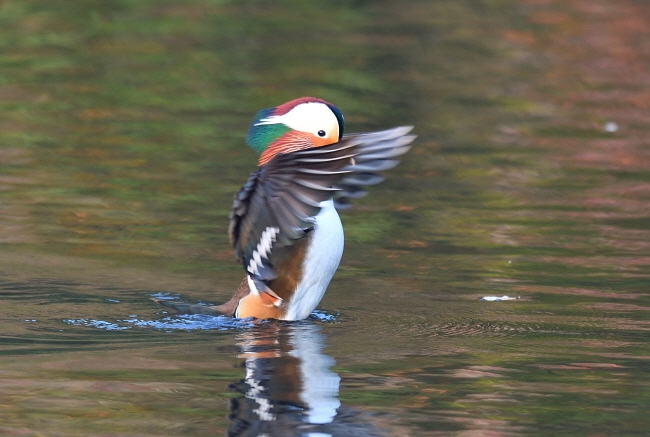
[{"x": 121, "y": 145}]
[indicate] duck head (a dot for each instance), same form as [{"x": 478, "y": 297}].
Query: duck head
[{"x": 298, "y": 124}]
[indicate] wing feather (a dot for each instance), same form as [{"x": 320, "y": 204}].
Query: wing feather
[
  {"x": 376, "y": 151},
  {"x": 281, "y": 198}
]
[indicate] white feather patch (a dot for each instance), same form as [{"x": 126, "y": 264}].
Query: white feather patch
[
  {"x": 251, "y": 285},
  {"x": 253, "y": 289},
  {"x": 263, "y": 249},
  {"x": 307, "y": 117}
]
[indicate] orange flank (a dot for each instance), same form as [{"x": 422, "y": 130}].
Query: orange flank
[
  {"x": 273, "y": 303},
  {"x": 259, "y": 305}
]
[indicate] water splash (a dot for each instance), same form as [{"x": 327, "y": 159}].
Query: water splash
[
  {"x": 186, "y": 322},
  {"x": 323, "y": 317},
  {"x": 99, "y": 324}
]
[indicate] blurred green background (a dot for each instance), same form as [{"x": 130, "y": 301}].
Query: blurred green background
[{"x": 121, "y": 146}]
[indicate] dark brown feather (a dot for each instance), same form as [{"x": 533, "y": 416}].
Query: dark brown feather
[{"x": 286, "y": 193}]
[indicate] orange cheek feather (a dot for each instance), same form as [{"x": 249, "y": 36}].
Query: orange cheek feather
[
  {"x": 325, "y": 141},
  {"x": 293, "y": 141}
]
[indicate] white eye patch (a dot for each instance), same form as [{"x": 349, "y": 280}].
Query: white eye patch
[{"x": 310, "y": 117}]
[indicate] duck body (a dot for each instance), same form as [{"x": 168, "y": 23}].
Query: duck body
[
  {"x": 284, "y": 224},
  {"x": 303, "y": 272}
]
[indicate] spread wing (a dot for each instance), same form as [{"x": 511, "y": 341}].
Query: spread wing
[
  {"x": 278, "y": 203},
  {"x": 375, "y": 151}
]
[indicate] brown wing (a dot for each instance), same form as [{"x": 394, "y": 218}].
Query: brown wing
[
  {"x": 278, "y": 203},
  {"x": 374, "y": 152}
]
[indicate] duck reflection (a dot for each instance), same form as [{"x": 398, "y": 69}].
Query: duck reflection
[{"x": 289, "y": 388}]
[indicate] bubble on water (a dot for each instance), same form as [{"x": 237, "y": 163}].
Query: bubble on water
[{"x": 610, "y": 126}]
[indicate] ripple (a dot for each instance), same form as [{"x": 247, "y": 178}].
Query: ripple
[{"x": 469, "y": 326}]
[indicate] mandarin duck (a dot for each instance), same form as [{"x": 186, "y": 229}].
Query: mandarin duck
[{"x": 284, "y": 224}]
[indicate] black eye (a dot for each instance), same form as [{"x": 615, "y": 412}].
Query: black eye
[{"x": 321, "y": 133}]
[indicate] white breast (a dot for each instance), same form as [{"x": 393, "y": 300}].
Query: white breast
[{"x": 321, "y": 261}]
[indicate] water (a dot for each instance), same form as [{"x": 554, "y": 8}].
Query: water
[{"x": 121, "y": 145}]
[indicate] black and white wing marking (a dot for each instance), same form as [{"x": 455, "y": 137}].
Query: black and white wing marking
[{"x": 374, "y": 152}]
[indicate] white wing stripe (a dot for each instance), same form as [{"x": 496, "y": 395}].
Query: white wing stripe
[{"x": 263, "y": 249}]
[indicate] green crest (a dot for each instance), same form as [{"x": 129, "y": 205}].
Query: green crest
[{"x": 260, "y": 136}]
